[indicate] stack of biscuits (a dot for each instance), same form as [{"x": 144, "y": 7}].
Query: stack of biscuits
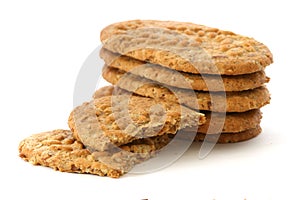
[
  {"x": 182, "y": 62},
  {"x": 169, "y": 80}
]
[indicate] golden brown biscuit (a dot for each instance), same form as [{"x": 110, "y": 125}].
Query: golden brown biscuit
[
  {"x": 235, "y": 101},
  {"x": 111, "y": 121},
  {"x": 187, "y": 47},
  {"x": 59, "y": 150},
  {"x": 176, "y": 79}
]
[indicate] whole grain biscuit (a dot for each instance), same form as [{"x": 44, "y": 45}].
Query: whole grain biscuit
[
  {"x": 59, "y": 150},
  {"x": 111, "y": 121},
  {"x": 230, "y": 137},
  {"x": 187, "y": 47},
  {"x": 234, "y": 102},
  {"x": 234, "y": 122},
  {"x": 176, "y": 79}
]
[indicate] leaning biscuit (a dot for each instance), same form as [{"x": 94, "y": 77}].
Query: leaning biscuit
[
  {"x": 111, "y": 121},
  {"x": 176, "y": 79},
  {"x": 187, "y": 47},
  {"x": 234, "y": 102},
  {"x": 233, "y": 122}
]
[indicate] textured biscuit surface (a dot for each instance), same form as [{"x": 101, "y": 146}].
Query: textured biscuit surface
[
  {"x": 112, "y": 121},
  {"x": 233, "y": 101},
  {"x": 230, "y": 137},
  {"x": 59, "y": 150},
  {"x": 233, "y": 122},
  {"x": 183, "y": 80},
  {"x": 187, "y": 47}
]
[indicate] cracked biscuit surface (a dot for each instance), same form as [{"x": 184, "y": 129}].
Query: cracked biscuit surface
[
  {"x": 59, "y": 150},
  {"x": 112, "y": 121}
]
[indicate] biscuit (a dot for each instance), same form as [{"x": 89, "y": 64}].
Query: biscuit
[
  {"x": 230, "y": 137},
  {"x": 111, "y": 121},
  {"x": 187, "y": 47},
  {"x": 59, "y": 150},
  {"x": 234, "y": 122},
  {"x": 173, "y": 78},
  {"x": 235, "y": 101}
]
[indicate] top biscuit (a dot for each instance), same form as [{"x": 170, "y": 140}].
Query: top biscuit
[{"x": 187, "y": 47}]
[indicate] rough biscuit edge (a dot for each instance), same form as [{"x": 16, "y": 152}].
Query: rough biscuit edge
[{"x": 230, "y": 137}]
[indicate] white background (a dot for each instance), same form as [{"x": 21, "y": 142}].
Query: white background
[{"x": 42, "y": 47}]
